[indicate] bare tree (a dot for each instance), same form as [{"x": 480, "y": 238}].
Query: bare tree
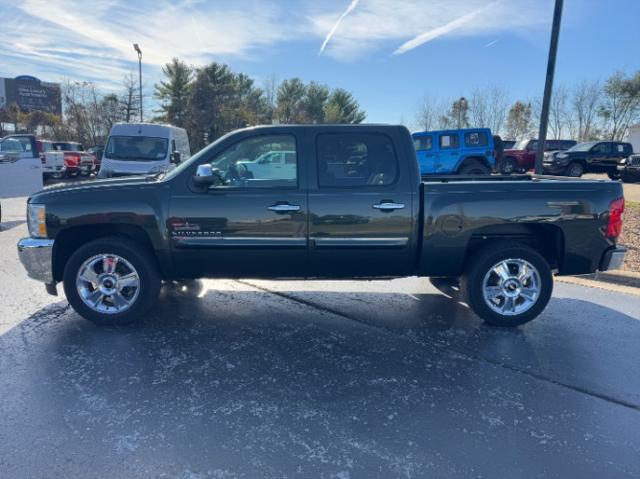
[
  {"x": 130, "y": 98},
  {"x": 558, "y": 116},
  {"x": 519, "y": 124},
  {"x": 427, "y": 114},
  {"x": 488, "y": 108},
  {"x": 585, "y": 98}
]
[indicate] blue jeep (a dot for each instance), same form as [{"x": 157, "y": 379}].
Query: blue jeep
[{"x": 465, "y": 152}]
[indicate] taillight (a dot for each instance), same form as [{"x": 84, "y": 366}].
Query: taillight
[
  {"x": 614, "y": 226},
  {"x": 72, "y": 159}
]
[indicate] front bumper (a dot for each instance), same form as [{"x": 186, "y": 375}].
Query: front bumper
[
  {"x": 613, "y": 258},
  {"x": 556, "y": 169},
  {"x": 36, "y": 255}
]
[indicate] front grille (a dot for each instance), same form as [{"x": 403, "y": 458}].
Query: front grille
[{"x": 634, "y": 160}]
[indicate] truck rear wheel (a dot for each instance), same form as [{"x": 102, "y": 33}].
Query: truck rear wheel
[
  {"x": 508, "y": 166},
  {"x": 474, "y": 167},
  {"x": 507, "y": 285},
  {"x": 111, "y": 281}
]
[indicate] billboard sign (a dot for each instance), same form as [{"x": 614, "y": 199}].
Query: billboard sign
[{"x": 30, "y": 94}]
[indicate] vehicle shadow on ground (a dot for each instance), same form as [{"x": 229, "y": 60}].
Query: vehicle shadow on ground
[{"x": 271, "y": 386}]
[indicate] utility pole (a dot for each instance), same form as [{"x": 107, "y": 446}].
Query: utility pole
[
  {"x": 137, "y": 49},
  {"x": 548, "y": 85}
]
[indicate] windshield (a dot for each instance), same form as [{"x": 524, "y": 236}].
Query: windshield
[
  {"x": 64, "y": 146},
  {"x": 136, "y": 148},
  {"x": 583, "y": 146},
  {"x": 521, "y": 145}
]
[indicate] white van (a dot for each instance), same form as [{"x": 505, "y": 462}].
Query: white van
[
  {"x": 143, "y": 148},
  {"x": 20, "y": 166}
]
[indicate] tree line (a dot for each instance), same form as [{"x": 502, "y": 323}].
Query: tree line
[
  {"x": 587, "y": 110},
  {"x": 208, "y": 102}
]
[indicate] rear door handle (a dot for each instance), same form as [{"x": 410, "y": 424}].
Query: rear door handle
[
  {"x": 283, "y": 208},
  {"x": 388, "y": 206}
]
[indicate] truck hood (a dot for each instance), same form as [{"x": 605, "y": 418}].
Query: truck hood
[
  {"x": 92, "y": 185},
  {"x": 512, "y": 152}
]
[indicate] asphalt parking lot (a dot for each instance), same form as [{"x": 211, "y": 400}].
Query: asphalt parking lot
[{"x": 314, "y": 379}]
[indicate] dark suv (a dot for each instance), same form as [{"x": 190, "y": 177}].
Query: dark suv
[
  {"x": 589, "y": 157},
  {"x": 522, "y": 157}
]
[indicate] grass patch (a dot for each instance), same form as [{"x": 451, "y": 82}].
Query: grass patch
[{"x": 632, "y": 205}]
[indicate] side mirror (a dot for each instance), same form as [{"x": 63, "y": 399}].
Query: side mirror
[
  {"x": 206, "y": 176},
  {"x": 175, "y": 157}
]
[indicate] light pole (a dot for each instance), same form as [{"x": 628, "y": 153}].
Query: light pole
[
  {"x": 137, "y": 49},
  {"x": 548, "y": 85}
]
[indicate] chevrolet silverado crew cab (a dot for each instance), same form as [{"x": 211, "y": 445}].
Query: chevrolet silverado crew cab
[{"x": 354, "y": 206}]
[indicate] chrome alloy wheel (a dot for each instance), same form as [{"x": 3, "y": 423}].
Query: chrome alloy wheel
[
  {"x": 511, "y": 287},
  {"x": 108, "y": 283}
]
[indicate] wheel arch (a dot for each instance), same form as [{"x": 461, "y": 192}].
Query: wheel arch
[
  {"x": 70, "y": 239},
  {"x": 473, "y": 158}
]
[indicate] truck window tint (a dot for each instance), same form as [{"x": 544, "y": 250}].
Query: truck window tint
[
  {"x": 259, "y": 162},
  {"x": 448, "y": 142},
  {"x": 601, "y": 148},
  {"x": 476, "y": 138},
  {"x": 422, "y": 143},
  {"x": 356, "y": 159}
]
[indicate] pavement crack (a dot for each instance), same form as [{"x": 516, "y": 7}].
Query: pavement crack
[{"x": 465, "y": 353}]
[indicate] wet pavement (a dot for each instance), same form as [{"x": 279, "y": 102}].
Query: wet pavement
[{"x": 315, "y": 379}]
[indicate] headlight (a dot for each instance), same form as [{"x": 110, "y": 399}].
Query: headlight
[
  {"x": 36, "y": 221},
  {"x": 561, "y": 156},
  {"x": 623, "y": 161}
]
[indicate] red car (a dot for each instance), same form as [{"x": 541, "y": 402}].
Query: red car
[
  {"x": 76, "y": 160},
  {"x": 522, "y": 157}
]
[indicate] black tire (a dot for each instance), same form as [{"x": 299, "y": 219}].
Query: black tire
[
  {"x": 474, "y": 167},
  {"x": 57, "y": 175},
  {"x": 574, "y": 170},
  {"x": 484, "y": 260},
  {"x": 73, "y": 174},
  {"x": 142, "y": 261},
  {"x": 613, "y": 175},
  {"x": 509, "y": 166}
]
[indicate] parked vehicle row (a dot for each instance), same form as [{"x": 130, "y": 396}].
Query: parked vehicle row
[{"x": 522, "y": 157}]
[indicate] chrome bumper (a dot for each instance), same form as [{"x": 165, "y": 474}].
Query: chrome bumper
[
  {"x": 36, "y": 255},
  {"x": 613, "y": 259}
]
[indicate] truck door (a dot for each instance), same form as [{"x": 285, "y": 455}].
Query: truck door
[
  {"x": 599, "y": 154},
  {"x": 249, "y": 225},
  {"x": 20, "y": 166},
  {"x": 449, "y": 152},
  {"x": 426, "y": 153},
  {"x": 361, "y": 215}
]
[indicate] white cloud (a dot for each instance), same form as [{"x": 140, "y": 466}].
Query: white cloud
[
  {"x": 400, "y": 26},
  {"x": 349, "y": 9}
]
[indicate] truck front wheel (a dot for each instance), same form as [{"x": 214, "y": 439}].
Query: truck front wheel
[
  {"x": 507, "y": 285},
  {"x": 111, "y": 281}
]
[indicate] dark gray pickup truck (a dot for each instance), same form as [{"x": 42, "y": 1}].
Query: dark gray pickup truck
[{"x": 319, "y": 202}]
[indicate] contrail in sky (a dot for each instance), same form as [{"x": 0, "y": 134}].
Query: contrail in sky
[
  {"x": 439, "y": 31},
  {"x": 349, "y": 9}
]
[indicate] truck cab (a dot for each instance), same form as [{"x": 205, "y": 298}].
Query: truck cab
[{"x": 465, "y": 151}]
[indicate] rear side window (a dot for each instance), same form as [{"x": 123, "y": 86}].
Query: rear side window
[
  {"x": 476, "y": 138},
  {"x": 422, "y": 143},
  {"x": 449, "y": 141},
  {"x": 623, "y": 148},
  {"x": 355, "y": 159}
]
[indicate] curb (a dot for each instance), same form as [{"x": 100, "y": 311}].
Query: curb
[
  {"x": 624, "y": 278},
  {"x": 618, "y": 281}
]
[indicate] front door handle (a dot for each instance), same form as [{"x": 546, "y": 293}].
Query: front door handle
[
  {"x": 283, "y": 208},
  {"x": 388, "y": 206}
]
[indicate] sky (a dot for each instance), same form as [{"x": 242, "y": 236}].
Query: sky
[{"x": 389, "y": 53}]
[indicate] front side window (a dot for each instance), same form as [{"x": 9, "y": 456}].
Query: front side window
[
  {"x": 449, "y": 141},
  {"x": 16, "y": 145},
  {"x": 136, "y": 148},
  {"x": 476, "y": 138},
  {"x": 422, "y": 143},
  {"x": 256, "y": 162},
  {"x": 356, "y": 159},
  {"x": 601, "y": 148}
]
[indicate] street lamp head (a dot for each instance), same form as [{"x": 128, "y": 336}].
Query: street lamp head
[{"x": 137, "y": 48}]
